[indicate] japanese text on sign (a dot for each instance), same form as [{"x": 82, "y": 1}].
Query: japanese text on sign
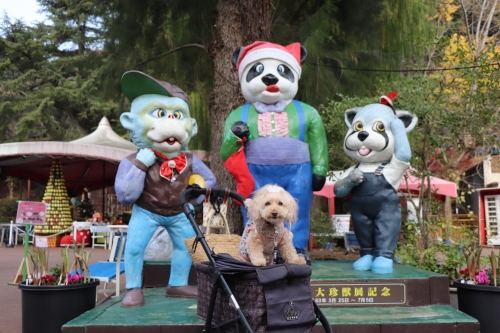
[
  {"x": 30, "y": 212},
  {"x": 358, "y": 294}
]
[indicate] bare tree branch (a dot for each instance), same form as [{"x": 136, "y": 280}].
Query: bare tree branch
[
  {"x": 466, "y": 24},
  {"x": 172, "y": 51}
]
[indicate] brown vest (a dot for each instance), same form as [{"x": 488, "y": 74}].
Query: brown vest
[{"x": 161, "y": 196}]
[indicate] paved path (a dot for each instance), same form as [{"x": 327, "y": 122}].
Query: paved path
[{"x": 10, "y": 296}]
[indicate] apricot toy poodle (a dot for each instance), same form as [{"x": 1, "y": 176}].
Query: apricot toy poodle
[{"x": 266, "y": 233}]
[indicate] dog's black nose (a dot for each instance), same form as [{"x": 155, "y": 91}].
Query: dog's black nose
[
  {"x": 270, "y": 79},
  {"x": 275, "y": 215},
  {"x": 362, "y": 135}
]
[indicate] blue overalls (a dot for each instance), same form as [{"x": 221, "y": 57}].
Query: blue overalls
[
  {"x": 286, "y": 162},
  {"x": 376, "y": 215}
]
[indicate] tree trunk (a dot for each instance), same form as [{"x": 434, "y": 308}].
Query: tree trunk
[
  {"x": 238, "y": 23},
  {"x": 447, "y": 212}
]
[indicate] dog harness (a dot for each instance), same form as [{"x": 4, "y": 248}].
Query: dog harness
[{"x": 243, "y": 250}]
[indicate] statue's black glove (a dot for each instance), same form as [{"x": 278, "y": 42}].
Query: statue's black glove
[
  {"x": 318, "y": 182},
  {"x": 240, "y": 129}
]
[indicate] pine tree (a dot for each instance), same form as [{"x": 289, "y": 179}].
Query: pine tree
[
  {"x": 86, "y": 209},
  {"x": 49, "y": 76}
]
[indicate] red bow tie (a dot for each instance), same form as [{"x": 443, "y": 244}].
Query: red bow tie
[{"x": 167, "y": 168}]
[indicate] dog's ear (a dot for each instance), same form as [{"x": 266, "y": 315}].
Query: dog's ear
[
  {"x": 293, "y": 208},
  {"x": 248, "y": 203}
]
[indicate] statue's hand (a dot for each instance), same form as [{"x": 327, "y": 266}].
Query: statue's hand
[
  {"x": 318, "y": 182},
  {"x": 355, "y": 177},
  {"x": 240, "y": 129},
  {"x": 146, "y": 156}
]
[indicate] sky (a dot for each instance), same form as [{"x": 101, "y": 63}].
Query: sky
[{"x": 21, "y": 9}]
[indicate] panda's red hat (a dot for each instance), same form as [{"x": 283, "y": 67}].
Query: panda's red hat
[{"x": 289, "y": 54}]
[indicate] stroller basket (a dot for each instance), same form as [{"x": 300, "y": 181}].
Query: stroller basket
[
  {"x": 274, "y": 298},
  {"x": 234, "y": 296},
  {"x": 249, "y": 294}
]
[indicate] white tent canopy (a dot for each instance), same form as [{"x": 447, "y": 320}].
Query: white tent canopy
[{"x": 105, "y": 136}]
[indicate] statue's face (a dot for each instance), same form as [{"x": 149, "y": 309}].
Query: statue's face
[
  {"x": 269, "y": 81},
  {"x": 160, "y": 122},
  {"x": 369, "y": 136}
]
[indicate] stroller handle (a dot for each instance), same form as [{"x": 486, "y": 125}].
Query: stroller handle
[{"x": 195, "y": 191}]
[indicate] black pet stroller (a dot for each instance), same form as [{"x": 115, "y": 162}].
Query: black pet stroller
[{"x": 274, "y": 298}]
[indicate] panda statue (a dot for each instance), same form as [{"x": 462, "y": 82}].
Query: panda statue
[
  {"x": 376, "y": 138},
  {"x": 274, "y": 139}
]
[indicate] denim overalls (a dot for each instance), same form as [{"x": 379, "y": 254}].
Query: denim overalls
[{"x": 376, "y": 215}]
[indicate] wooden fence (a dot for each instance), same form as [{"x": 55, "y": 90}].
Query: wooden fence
[{"x": 458, "y": 222}]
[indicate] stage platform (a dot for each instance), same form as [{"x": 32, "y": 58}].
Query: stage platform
[
  {"x": 165, "y": 315},
  {"x": 335, "y": 283}
]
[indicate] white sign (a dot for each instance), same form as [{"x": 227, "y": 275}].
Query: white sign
[
  {"x": 41, "y": 241},
  {"x": 341, "y": 224}
]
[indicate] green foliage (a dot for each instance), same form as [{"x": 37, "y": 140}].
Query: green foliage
[
  {"x": 322, "y": 229},
  {"x": 446, "y": 122},
  {"x": 8, "y": 208},
  {"x": 356, "y": 34},
  {"x": 56, "y": 272},
  {"x": 167, "y": 41},
  {"x": 59, "y": 79},
  {"x": 438, "y": 257},
  {"x": 50, "y": 82},
  {"x": 494, "y": 271},
  {"x": 494, "y": 277}
]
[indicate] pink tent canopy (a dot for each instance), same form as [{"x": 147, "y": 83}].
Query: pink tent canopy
[{"x": 439, "y": 187}]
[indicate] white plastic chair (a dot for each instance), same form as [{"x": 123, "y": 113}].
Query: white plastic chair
[
  {"x": 110, "y": 271},
  {"x": 97, "y": 233},
  {"x": 20, "y": 233}
]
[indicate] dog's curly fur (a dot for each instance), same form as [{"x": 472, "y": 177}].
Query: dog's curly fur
[{"x": 270, "y": 207}]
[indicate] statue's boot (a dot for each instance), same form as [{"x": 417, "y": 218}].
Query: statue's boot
[
  {"x": 133, "y": 298},
  {"x": 364, "y": 263},
  {"x": 382, "y": 265},
  {"x": 182, "y": 291}
]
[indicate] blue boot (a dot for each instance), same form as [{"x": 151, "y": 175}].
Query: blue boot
[
  {"x": 382, "y": 265},
  {"x": 364, "y": 263}
]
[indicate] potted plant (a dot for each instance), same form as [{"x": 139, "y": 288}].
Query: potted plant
[
  {"x": 52, "y": 297},
  {"x": 478, "y": 290}
]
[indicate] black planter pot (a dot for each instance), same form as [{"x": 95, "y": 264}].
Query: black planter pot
[
  {"x": 482, "y": 303},
  {"x": 47, "y": 308}
]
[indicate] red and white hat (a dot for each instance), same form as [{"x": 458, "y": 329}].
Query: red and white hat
[
  {"x": 289, "y": 54},
  {"x": 388, "y": 99}
]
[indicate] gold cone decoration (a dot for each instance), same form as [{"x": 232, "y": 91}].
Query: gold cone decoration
[{"x": 56, "y": 196}]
